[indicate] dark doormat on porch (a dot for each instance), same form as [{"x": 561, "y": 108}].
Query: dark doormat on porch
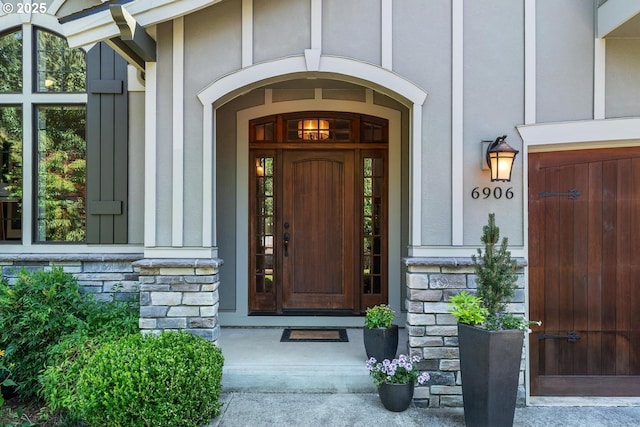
[{"x": 314, "y": 335}]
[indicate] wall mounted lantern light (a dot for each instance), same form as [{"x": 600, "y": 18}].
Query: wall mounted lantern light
[{"x": 500, "y": 157}]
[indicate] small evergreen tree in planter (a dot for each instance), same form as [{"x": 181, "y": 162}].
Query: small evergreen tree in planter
[
  {"x": 490, "y": 339},
  {"x": 380, "y": 335}
]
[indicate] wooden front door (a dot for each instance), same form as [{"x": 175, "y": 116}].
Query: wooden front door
[
  {"x": 318, "y": 214},
  {"x": 584, "y": 272},
  {"x": 319, "y": 225}
]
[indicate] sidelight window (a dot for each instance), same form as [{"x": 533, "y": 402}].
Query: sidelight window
[
  {"x": 264, "y": 220},
  {"x": 372, "y": 224}
]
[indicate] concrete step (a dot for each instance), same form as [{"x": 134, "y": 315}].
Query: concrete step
[
  {"x": 256, "y": 360},
  {"x": 297, "y": 379}
]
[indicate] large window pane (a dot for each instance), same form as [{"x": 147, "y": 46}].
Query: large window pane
[
  {"x": 11, "y": 62},
  {"x": 59, "y": 69},
  {"x": 61, "y": 174},
  {"x": 10, "y": 173}
]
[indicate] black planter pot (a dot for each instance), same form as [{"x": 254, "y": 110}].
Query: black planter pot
[
  {"x": 381, "y": 343},
  {"x": 490, "y": 367},
  {"x": 396, "y": 397}
]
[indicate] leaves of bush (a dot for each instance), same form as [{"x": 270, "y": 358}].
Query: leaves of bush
[{"x": 173, "y": 379}]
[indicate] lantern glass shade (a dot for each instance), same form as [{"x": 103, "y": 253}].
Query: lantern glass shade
[{"x": 500, "y": 158}]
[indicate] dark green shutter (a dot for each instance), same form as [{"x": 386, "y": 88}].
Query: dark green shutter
[{"x": 107, "y": 146}]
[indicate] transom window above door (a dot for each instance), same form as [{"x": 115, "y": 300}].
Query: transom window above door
[{"x": 323, "y": 127}]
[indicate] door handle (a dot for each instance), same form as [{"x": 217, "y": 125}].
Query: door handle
[{"x": 286, "y": 237}]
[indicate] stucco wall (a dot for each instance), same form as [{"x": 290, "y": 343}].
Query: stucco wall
[
  {"x": 493, "y": 84},
  {"x": 423, "y": 55},
  {"x": 226, "y": 152},
  {"x": 136, "y": 168},
  {"x": 280, "y": 28},
  {"x": 623, "y": 78},
  {"x": 564, "y": 54},
  {"x": 164, "y": 131},
  {"x": 493, "y": 104},
  {"x": 352, "y": 29}
]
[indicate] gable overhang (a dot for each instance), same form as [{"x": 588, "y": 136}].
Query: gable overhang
[
  {"x": 619, "y": 19},
  {"x": 93, "y": 26}
]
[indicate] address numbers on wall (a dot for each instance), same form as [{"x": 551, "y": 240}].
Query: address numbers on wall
[{"x": 496, "y": 193}]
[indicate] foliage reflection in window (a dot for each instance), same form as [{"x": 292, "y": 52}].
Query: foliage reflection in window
[
  {"x": 10, "y": 173},
  {"x": 58, "y": 141},
  {"x": 59, "y": 69},
  {"x": 264, "y": 225},
  {"x": 61, "y": 174},
  {"x": 11, "y": 62},
  {"x": 373, "y": 175}
]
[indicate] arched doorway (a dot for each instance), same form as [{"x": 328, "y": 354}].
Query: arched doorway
[
  {"x": 318, "y": 213},
  {"x": 232, "y": 102}
]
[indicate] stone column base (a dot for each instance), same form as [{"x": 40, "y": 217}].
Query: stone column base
[{"x": 179, "y": 294}]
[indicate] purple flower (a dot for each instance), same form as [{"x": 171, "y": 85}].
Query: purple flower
[{"x": 423, "y": 378}]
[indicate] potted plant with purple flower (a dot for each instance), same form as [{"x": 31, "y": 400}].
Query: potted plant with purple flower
[{"x": 395, "y": 380}]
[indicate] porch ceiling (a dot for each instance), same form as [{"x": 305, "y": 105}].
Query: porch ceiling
[{"x": 619, "y": 19}]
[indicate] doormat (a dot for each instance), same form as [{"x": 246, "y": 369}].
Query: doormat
[{"x": 314, "y": 335}]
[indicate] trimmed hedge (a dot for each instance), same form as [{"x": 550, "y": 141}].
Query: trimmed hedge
[{"x": 170, "y": 379}]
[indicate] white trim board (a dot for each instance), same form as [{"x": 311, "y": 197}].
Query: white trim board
[{"x": 580, "y": 132}]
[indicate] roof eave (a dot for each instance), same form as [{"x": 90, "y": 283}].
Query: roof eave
[
  {"x": 619, "y": 19},
  {"x": 99, "y": 26}
]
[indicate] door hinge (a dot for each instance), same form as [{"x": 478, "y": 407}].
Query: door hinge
[
  {"x": 572, "y": 336},
  {"x": 572, "y": 194}
]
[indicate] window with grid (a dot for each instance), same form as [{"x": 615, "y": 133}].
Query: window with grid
[{"x": 42, "y": 135}]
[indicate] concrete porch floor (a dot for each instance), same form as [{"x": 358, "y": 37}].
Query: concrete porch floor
[
  {"x": 256, "y": 361},
  {"x": 269, "y": 383}
]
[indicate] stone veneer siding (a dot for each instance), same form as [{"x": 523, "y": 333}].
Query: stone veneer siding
[
  {"x": 180, "y": 294},
  {"x": 433, "y": 332},
  {"x": 175, "y": 294},
  {"x": 107, "y": 276}
]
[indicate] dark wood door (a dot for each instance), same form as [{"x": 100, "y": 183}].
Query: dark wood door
[
  {"x": 318, "y": 216},
  {"x": 584, "y": 272},
  {"x": 318, "y": 213}
]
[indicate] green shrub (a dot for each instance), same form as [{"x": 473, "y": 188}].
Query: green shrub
[
  {"x": 34, "y": 313},
  {"x": 467, "y": 309},
  {"x": 106, "y": 322},
  {"x": 496, "y": 272},
  {"x": 172, "y": 379},
  {"x": 379, "y": 316}
]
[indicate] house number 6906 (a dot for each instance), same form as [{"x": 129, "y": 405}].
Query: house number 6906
[{"x": 486, "y": 192}]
